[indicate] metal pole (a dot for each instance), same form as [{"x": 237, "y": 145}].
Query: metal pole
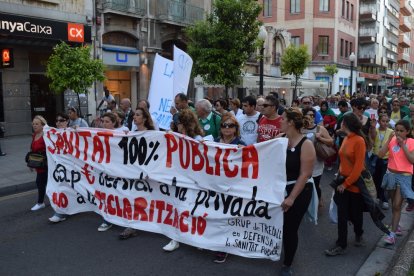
[
  {"x": 350, "y": 81},
  {"x": 261, "y": 70}
]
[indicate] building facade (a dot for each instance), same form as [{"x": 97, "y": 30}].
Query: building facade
[
  {"x": 125, "y": 34},
  {"x": 329, "y": 28}
]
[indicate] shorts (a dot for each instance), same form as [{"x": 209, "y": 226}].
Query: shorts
[{"x": 392, "y": 180}]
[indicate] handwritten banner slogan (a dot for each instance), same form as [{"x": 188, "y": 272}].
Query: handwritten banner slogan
[{"x": 208, "y": 195}]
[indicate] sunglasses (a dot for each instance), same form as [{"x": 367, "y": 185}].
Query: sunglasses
[
  {"x": 226, "y": 125},
  {"x": 60, "y": 120},
  {"x": 267, "y": 105}
]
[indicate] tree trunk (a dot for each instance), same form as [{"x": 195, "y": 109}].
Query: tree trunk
[
  {"x": 79, "y": 105},
  {"x": 295, "y": 89}
]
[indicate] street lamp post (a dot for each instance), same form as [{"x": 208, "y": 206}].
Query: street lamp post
[
  {"x": 352, "y": 58},
  {"x": 262, "y": 37}
]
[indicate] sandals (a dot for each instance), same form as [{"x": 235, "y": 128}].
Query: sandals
[{"x": 128, "y": 233}]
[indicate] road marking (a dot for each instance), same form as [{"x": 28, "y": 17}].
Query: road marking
[{"x": 17, "y": 195}]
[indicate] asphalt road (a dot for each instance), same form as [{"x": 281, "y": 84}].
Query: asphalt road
[{"x": 30, "y": 245}]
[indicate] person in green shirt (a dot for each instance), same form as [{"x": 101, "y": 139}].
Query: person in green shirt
[
  {"x": 208, "y": 120},
  {"x": 410, "y": 116}
]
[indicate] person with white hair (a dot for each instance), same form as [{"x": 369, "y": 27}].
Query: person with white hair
[{"x": 209, "y": 121}]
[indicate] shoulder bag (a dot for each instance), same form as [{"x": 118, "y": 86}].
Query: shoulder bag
[{"x": 323, "y": 151}]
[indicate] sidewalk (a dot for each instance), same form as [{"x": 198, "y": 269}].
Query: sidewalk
[{"x": 15, "y": 177}]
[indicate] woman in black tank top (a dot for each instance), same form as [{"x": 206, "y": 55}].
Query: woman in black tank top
[{"x": 299, "y": 192}]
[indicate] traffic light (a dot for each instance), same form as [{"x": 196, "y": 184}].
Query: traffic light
[{"x": 7, "y": 60}]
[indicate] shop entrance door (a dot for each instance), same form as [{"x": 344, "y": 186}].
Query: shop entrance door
[{"x": 43, "y": 101}]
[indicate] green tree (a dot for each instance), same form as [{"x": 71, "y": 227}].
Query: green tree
[
  {"x": 331, "y": 69},
  {"x": 221, "y": 44},
  {"x": 294, "y": 62},
  {"x": 408, "y": 81},
  {"x": 73, "y": 68}
]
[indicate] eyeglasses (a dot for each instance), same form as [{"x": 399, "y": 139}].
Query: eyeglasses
[
  {"x": 306, "y": 102},
  {"x": 267, "y": 105},
  {"x": 60, "y": 120},
  {"x": 226, "y": 125}
]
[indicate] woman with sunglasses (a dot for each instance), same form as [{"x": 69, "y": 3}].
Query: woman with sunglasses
[
  {"x": 187, "y": 124},
  {"x": 314, "y": 133},
  {"x": 143, "y": 122},
  {"x": 300, "y": 159},
  {"x": 62, "y": 121},
  {"x": 397, "y": 180},
  {"x": 229, "y": 134}
]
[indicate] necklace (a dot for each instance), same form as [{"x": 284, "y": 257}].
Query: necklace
[{"x": 292, "y": 144}]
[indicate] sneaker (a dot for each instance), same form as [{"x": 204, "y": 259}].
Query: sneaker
[
  {"x": 104, "y": 226},
  {"x": 337, "y": 250},
  {"x": 38, "y": 206},
  {"x": 128, "y": 233},
  {"x": 399, "y": 231},
  {"x": 286, "y": 271},
  {"x": 409, "y": 207},
  {"x": 171, "y": 246},
  {"x": 390, "y": 240},
  {"x": 56, "y": 219},
  {"x": 220, "y": 258},
  {"x": 385, "y": 205},
  {"x": 359, "y": 241}
]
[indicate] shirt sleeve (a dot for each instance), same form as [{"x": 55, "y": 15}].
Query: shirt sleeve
[{"x": 359, "y": 162}]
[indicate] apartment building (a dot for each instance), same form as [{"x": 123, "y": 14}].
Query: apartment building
[
  {"x": 329, "y": 28},
  {"x": 384, "y": 44}
]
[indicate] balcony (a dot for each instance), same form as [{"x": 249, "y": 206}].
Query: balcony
[
  {"x": 367, "y": 36},
  {"x": 405, "y": 8},
  {"x": 178, "y": 13},
  {"x": 403, "y": 57},
  {"x": 367, "y": 59},
  {"x": 368, "y": 13},
  {"x": 135, "y": 8},
  {"x": 405, "y": 24},
  {"x": 404, "y": 41}
]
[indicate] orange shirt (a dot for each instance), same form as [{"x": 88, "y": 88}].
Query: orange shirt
[{"x": 352, "y": 157}]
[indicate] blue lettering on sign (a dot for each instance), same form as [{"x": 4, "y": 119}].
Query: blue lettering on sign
[
  {"x": 121, "y": 57},
  {"x": 165, "y": 105},
  {"x": 168, "y": 72},
  {"x": 183, "y": 63}
]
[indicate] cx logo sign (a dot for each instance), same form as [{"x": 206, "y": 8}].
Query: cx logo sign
[{"x": 76, "y": 32}]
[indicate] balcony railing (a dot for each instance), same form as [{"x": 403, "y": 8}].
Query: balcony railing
[
  {"x": 364, "y": 9},
  {"x": 405, "y": 24},
  {"x": 406, "y": 8},
  {"x": 404, "y": 41},
  {"x": 136, "y": 7},
  {"x": 178, "y": 12},
  {"x": 367, "y": 32}
]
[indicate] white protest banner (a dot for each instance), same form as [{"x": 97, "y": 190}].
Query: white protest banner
[
  {"x": 160, "y": 94},
  {"x": 213, "y": 196},
  {"x": 182, "y": 71}
]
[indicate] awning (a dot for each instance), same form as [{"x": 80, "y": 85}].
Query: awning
[{"x": 273, "y": 82}]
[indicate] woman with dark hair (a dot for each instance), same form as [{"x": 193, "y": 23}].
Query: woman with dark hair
[
  {"x": 295, "y": 103},
  {"x": 38, "y": 145},
  {"x": 397, "y": 180},
  {"x": 300, "y": 159},
  {"x": 348, "y": 195},
  {"x": 143, "y": 120},
  {"x": 221, "y": 106},
  {"x": 187, "y": 124},
  {"x": 316, "y": 133}
]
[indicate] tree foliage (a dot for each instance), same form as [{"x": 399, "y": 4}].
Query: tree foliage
[
  {"x": 221, "y": 44},
  {"x": 331, "y": 69},
  {"x": 295, "y": 59},
  {"x": 408, "y": 81},
  {"x": 73, "y": 68}
]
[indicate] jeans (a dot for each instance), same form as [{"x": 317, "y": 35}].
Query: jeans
[
  {"x": 41, "y": 182},
  {"x": 292, "y": 219}
]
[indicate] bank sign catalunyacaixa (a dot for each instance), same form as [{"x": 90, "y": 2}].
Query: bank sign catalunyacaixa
[{"x": 21, "y": 26}]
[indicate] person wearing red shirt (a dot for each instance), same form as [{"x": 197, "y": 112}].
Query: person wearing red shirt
[
  {"x": 270, "y": 122},
  {"x": 39, "y": 146}
]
